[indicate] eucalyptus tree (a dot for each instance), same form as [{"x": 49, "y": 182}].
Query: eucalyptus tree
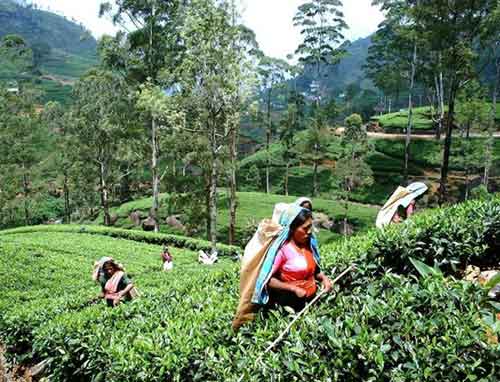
[
  {"x": 21, "y": 137},
  {"x": 210, "y": 78},
  {"x": 246, "y": 45},
  {"x": 273, "y": 73},
  {"x": 148, "y": 54},
  {"x": 321, "y": 24},
  {"x": 490, "y": 40},
  {"x": 102, "y": 111},
  {"x": 454, "y": 28}
]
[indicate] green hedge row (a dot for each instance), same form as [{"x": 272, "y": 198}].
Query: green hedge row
[
  {"x": 450, "y": 238},
  {"x": 140, "y": 236},
  {"x": 392, "y": 328}
]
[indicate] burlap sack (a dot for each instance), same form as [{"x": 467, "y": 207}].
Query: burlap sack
[{"x": 248, "y": 276}]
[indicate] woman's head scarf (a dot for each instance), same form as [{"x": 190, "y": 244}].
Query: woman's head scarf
[
  {"x": 302, "y": 200},
  {"x": 99, "y": 265},
  {"x": 261, "y": 295}
]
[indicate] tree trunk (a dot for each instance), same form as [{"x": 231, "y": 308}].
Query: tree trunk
[
  {"x": 124, "y": 185},
  {"x": 467, "y": 164},
  {"x": 440, "y": 99},
  {"x": 173, "y": 183},
  {"x": 410, "y": 114},
  {"x": 287, "y": 169},
  {"x": 447, "y": 144},
  {"x": 390, "y": 105},
  {"x": 268, "y": 141},
  {"x": 315, "y": 177},
  {"x": 208, "y": 187},
  {"x": 67, "y": 207},
  {"x": 491, "y": 128},
  {"x": 104, "y": 192},
  {"x": 213, "y": 191},
  {"x": 346, "y": 209},
  {"x": 233, "y": 202},
  {"x": 155, "y": 173},
  {"x": 26, "y": 190}
]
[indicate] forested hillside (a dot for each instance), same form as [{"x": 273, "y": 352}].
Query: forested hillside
[{"x": 62, "y": 49}]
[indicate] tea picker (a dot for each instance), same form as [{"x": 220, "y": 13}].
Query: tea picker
[{"x": 301, "y": 314}]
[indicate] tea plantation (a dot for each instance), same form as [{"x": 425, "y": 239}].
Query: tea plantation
[{"x": 385, "y": 322}]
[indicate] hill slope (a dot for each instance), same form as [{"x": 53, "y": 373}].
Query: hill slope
[{"x": 63, "y": 50}]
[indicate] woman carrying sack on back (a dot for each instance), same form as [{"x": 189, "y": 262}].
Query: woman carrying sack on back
[
  {"x": 296, "y": 267},
  {"x": 284, "y": 271},
  {"x": 116, "y": 286}
]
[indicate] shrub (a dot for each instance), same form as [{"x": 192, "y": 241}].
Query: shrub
[{"x": 140, "y": 236}]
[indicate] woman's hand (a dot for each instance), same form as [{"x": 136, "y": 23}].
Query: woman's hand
[
  {"x": 327, "y": 284},
  {"x": 117, "y": 299},
  {"x": 325, "y": 281},
  {"x": 300, "y": 293}
]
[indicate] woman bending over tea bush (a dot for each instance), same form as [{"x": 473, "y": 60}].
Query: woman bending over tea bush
[{"x": 115, "y": 284}]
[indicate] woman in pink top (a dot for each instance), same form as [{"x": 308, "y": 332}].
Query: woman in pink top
[{"x": 295, "y": 272}]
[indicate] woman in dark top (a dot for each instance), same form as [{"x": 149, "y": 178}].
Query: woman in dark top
[{"x": 115, "y": 284}]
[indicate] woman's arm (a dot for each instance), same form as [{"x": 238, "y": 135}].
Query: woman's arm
[
  {"x": 325, "y": 281},
  {"x": 275, "y": 283}
]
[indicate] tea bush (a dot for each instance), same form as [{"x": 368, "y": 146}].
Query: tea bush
[
  {"x": 140, "y": 236},
  {"x": 376, "y": 326},
  {"x": 450, "y": 238}
]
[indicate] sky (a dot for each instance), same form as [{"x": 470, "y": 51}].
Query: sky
[{"x": 270, "y": 19}]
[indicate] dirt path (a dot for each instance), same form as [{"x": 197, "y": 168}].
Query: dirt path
[
  {"x": 16, "y": 374},
  {"x": 424, "y": 137},
  {"x": 61, "y": 81}
]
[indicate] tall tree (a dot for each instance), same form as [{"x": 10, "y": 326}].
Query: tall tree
[
  {"x": 272, "y": 73},
  {"x": 490, "y": 39},
  {"x": 316, "y": 145},
  {"x": 453, "y": 27},
  {"x": 60, "y": 122},
  {"x": 399, "y": 34},
  {"x": 20, "y": 138},
  {"x": 211, "y": 74},
  {"x": 351, "y": 170},
  {"x": 102, "y": 110},
  {"x": 20, "y": 125},
  {"x": 321, "y": 24},
  {"x": 151, "y": 54},
  {"x": 472, "y": 113}
]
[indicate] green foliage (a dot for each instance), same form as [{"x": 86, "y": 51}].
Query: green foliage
[
  {"x": 398, "y": 121},
  {"x": 253, "y": 179},
  {"x": 449, "y": 238},
  {"x": 143, "y": 237},
  {"x": 375, "y": 326},
  {"x": 354, "y": 120}
]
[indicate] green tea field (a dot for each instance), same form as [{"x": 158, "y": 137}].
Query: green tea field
[{"x": 392, "y": 319}]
